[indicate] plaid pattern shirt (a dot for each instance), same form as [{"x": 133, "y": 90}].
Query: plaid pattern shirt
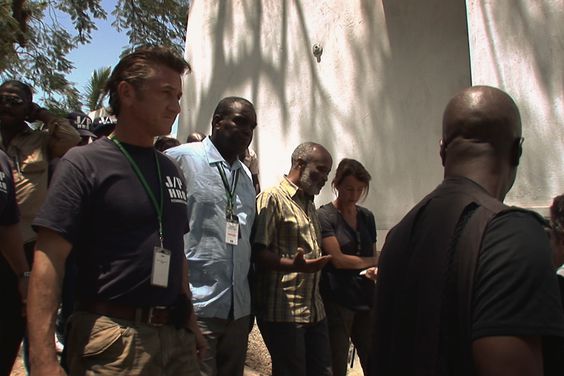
[{"x": 286, "y": 219}]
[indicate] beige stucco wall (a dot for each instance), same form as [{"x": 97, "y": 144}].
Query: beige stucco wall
[
  {"x": 387, "y": 70},
  {"x": 518, "y": 46}
]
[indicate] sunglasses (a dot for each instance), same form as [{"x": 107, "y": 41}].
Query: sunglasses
[{"x": 11, "y": 100}]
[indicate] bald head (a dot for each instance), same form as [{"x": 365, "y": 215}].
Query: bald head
[
  {"x": 481, "y": 137},
  {"x": 482, "y": 114}
]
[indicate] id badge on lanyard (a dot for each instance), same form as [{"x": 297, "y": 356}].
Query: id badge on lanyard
[
  {"x": 161, "y": 256},
  {"x": 231, "y": 222},
  {"x": 232, "y": 230},
  {"x": 161, "y": 267}
]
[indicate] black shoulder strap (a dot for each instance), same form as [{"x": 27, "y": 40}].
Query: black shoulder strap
[
  {"x": 464, "y": 268},
  {"x": 467, "y": 252}
]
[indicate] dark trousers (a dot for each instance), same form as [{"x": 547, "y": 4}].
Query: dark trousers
[
  {"x": 29, "y": 248},
  {"x": 12, "y": 324},
  {"x": 297, "y": 349},
  {"x": 346, "y": 325},
  {"x": 227, "y": 341}
]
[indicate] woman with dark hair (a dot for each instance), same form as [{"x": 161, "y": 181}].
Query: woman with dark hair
[{"x": 347, "y": 283}]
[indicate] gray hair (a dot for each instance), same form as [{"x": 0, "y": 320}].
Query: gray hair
[{"x": 304, "y": 152}]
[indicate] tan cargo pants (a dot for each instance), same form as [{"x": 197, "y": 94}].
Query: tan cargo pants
[{"x": 101, "y": 345}]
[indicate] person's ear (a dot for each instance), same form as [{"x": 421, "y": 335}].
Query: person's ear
[
  {"x": 215, "y": 123},
  {"x": 215, "y": 120},
  {"x": 126, "y": 93},
  {"x": 442, "y": 151},
  {"x": 517, "y": 151}
]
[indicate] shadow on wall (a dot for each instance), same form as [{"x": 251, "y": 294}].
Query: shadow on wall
[
  {"x": 401, "y": 84},
  {"x": 525, "y": 41},
  {"x": 428, "y": 63}
]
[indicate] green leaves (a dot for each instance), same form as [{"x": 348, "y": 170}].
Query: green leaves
[
  {"x": 34, "y": 45},
  {"x": 82, "y": 13},
  {"x": 95, "y": 94},
  {"x": 147, "y": 24}
]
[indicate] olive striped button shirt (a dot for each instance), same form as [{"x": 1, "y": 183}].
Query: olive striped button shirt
[{"x": 286, "y": 219}]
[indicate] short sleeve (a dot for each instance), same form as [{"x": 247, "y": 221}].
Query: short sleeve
[
  {"x": 265, "y": 221},
  {"x": 515, "y": 290},
  {"x": 326, "y": 221},
  {"x": 68, "y": 193},
  {"x": 165, "y": 158},
  {"x": 179, "y": 157}
]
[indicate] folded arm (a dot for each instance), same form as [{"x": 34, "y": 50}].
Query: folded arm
[{"x": 62, "y": 135}]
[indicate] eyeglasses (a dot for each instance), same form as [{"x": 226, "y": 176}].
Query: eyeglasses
[{"x": 11, "y": 100}]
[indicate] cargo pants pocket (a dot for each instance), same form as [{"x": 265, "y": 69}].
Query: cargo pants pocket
[{"x": 98, "y": 345}]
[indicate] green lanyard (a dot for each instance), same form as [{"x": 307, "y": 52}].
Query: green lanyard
[
  {"x": 158, "y": 207},
  {"x": 230, "y": 192}
]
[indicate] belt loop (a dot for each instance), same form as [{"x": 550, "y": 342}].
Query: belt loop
[{"x": 138, "y": 315}]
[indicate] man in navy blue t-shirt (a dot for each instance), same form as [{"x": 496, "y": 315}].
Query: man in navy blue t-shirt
[{"x": 121, "y": 207}]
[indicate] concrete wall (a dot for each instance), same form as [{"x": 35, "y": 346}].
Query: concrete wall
[
  {"x": 518, "y": 46},
  {"x": 377, "y": 93}
]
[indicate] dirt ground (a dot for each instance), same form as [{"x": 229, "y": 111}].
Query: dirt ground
[
  {"x": 257, "y": 363},
  {"x": 258, "y": 359}
]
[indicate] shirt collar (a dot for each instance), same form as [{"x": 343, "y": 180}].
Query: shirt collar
[
  {"x": 214, "y": 156},
  {"x": 293, "y": 190}
]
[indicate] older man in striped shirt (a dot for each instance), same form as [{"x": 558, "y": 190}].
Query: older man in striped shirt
[{"x": 287, "y": 251}]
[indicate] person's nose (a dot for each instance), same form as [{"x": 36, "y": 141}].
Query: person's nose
[{"x": 174, "y": 106}]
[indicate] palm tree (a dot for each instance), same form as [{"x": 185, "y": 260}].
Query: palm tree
[{"x": 95, "y": 94}]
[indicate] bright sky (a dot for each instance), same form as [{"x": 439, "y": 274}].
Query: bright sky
[{"x": 104, "y": 50}]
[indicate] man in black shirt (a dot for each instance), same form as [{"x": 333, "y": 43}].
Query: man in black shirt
[
  {"x": 121, "y": 206},
  {"x": 465, "y": 283},
  {"x": 557, "y": 239},
  {"x": 14, "y": 270}
]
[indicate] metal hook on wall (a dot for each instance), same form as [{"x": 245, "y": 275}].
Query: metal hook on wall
[{"x": 317, "y": 51}]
